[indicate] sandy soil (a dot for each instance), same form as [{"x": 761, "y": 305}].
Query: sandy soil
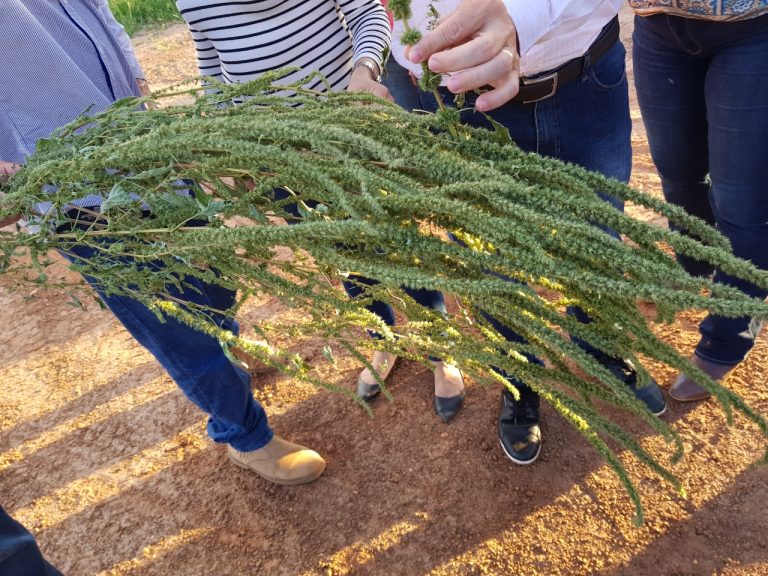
[{"x": 106, "y": 461}]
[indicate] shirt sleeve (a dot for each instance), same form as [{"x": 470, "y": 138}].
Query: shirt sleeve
[
  {"x": 369, "y": 26},
  {"x": 534, "y": 18},
  {"x": 123, "y": 41}
]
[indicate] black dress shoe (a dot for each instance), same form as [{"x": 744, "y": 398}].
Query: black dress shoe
[
  {"x": 650, "y": 395},
  {"x": 518, "y": 426},
  {"x": 368, "y": 391},
  {"x": 447, "y": 408}
]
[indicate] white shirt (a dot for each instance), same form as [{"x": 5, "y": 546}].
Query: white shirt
[{"x": 550, "y": 32}]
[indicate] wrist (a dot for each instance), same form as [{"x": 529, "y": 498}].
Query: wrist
[{"x": 369, "y": 66}]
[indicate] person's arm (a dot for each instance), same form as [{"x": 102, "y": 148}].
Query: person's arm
[
  {"x": 118, "y": 31},
  {"x": 371, "y": 34}
]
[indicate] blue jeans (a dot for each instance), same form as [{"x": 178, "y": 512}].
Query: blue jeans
[
  {"x": 586, "y": 122},
  {"x": 19, "y": 553},
  {"x": 196, "y": 361},
  {"x": 703, "y": 92},
  {"x": 399, "y": 83}
]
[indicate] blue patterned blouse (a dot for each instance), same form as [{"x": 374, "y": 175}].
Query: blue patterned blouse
[{"x": 705, "y": 9}]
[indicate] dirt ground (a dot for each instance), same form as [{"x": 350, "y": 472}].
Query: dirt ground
[{"x": 108, "y": 464}]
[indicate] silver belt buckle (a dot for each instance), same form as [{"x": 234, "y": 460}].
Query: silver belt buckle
[{"x": 532, "y": 82}]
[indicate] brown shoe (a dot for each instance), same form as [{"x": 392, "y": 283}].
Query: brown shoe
[
  {"x": 685, "y": 389},
  {"x": 281, "y": 462}
]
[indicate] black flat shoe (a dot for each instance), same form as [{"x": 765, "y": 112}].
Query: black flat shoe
[
  {"x": 368, "y": 391},
  {"x": 447, "y": 408}
]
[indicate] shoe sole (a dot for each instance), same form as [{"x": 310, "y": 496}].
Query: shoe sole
[
  {"x": 661, "y": 412},
  {"x": 294, "y": 482},
  {"x": 520, "y": 462},
  {"x": 695, "y": 398}
]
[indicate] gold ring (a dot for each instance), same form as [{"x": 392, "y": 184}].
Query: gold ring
[{"x": 509, "y": 53}]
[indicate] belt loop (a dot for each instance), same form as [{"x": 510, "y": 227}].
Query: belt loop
[{"x": 585, "y": 67}]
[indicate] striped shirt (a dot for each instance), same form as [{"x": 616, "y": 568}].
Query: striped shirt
[
  {"x": 241, "y": 39},
  {"x": 722, "y": 10}
]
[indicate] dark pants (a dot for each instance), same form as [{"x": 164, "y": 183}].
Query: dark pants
[
  {"x": 355, "y": 286},
  {"x": 586, "y": 122},
  {"x": 702, "y": 87},
  {"x": 19, "y": 553}
]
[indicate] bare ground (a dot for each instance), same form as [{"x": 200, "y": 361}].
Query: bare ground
[{"x": 108, "y": 464}]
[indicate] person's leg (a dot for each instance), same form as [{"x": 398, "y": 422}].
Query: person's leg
[
  {"x": 592, "y": 128},
  {"x": 735, "y": 94},
  {"x": 587, "y": 122},
  {"x": 449, "y": 383},
  {"x": 731, "y": 90},
  {"x": 736, "y": 90},
  {"x": 670, "y": 84},
  {"x": 19, "y": 553},
  {"x": 518, "y": 422},
  {"x": 198, "y": 365}
]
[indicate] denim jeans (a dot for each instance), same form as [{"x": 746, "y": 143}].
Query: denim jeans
[
  {"x": 19, "y": 553},
  {"x": 196, "y": 361},
  {"x": 399, "y": 83},
  {"x": 355, "y": 285},
  {"x": 702, "y": 87},
  {"x": 586, "y": 122}
]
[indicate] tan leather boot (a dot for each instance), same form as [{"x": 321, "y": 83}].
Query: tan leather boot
[{"x": 281, "y": 462}]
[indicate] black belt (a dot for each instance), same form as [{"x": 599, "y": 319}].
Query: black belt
[{"x": 543, "y": 85}]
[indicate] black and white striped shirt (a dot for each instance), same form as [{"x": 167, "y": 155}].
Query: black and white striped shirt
[{"x": 239, "y": 40}]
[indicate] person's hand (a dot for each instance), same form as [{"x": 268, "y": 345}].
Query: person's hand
[
  {"x": 362, "y": 80},
  {"x": 143, "y": 86},
  {"x": 144, "y": 90},
  {"x": 8, "y": 169},
  {"x": 477, "y": 45}
]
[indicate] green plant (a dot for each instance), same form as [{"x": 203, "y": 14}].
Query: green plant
[
  {"x": 378, "y": 188},
  {"x": 135, "y": 14}
]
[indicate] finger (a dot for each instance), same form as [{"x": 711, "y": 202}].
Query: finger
[
  {"x": 452, "y": 30},
  {"x": 383, "y": 92},
  {"x": 481, "y": 49},
  {"x": 494, "y": 72},
  {"x": 8, "y": 167},
  {"x": 500, "y": 95}
]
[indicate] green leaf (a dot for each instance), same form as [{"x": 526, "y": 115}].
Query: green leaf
[
  {"x": 500, "y": 131},
  {"x": 117, "y": 197}
]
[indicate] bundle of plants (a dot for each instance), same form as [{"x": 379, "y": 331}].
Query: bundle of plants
[{"x": 356, "y": 187}]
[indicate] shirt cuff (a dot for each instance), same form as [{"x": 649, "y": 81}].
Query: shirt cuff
[{"x": 531, "y": 21}]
